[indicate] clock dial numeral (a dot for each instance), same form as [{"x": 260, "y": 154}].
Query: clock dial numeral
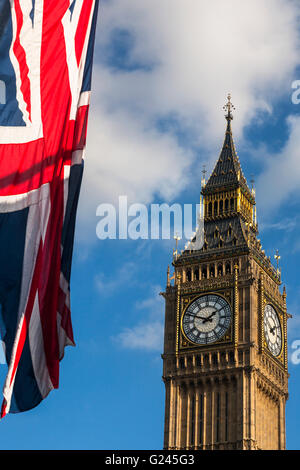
[{"x": 206, "y": 319}]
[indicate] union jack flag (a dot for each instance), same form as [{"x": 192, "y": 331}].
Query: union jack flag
[{"x": 46, "y": 53}]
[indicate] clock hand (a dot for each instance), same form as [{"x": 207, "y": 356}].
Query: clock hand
[
  {"x": 272, "y": 328},
  {"x": 196, "y": 316},
  {"x": 208, "y": 318},
  {"x": 212, "y": 314},
  {"x": 205, "y": 319},
  {"x": 216, "y": 311}
]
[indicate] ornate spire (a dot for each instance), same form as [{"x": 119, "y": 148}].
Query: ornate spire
[{"x": 227, "y": 171}]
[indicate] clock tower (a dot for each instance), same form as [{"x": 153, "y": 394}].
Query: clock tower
[{"x": 225, "y": 342}]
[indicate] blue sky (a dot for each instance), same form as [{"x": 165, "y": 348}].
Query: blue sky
[{"x": 162, "y": 72}]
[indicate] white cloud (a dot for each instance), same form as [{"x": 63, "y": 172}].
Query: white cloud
[
  {"x": 288, "y": 224},
  {"x": 294, "y": 326},
  {"x": 202, "y": 50},
  {"x": 152, "y": 303},
  {"x": 293, "y": 309},
  {"x": 107, "y": 285},
  {"x": 281, "y": 175},
  {"x": 147, "y": 334},
  {"x": 196, "y": 51}
]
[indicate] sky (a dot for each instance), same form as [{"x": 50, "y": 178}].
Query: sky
[{"x": 162, "y": 72}]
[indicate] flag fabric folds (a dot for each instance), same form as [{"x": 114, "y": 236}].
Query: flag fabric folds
[{"x": 46, "y": 53}]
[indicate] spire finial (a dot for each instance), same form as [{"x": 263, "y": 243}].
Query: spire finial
[
  {"x": 204, "y": 171},
  {"x": 175, "y": 252},
  {"x": 277, "y": 257},
  {"x": 252, "y": 181},
  {"x": 228, "y": 107}
]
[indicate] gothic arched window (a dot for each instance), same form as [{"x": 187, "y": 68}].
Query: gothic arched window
[
  {"x": 220, "y": 270},
  {"x": 192, "y": 419},
  {"x": 216, "y": 208},
  {"x": 198, "y": 361},
  {"x": 221, "y": 206}
]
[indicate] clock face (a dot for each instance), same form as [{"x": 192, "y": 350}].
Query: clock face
[
  {"x": 206, "y": 319},
  {"x": 272, "y": 330}
]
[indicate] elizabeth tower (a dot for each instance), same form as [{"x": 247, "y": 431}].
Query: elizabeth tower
[{"x": 225, "y": 342}]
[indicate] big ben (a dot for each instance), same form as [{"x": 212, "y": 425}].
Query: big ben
[{"x": 225, "y": 342}]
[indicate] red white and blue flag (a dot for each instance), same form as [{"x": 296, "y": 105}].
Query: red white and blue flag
[{"x": 46, "y": 51}]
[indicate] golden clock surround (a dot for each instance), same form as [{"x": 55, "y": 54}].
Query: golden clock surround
[{"x": 226, "y": 338}]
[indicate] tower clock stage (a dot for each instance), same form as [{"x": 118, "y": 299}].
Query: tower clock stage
[{"x": 225, "y": 340}]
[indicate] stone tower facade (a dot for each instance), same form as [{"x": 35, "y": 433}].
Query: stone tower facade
[{"x": 225, "y": 343}]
